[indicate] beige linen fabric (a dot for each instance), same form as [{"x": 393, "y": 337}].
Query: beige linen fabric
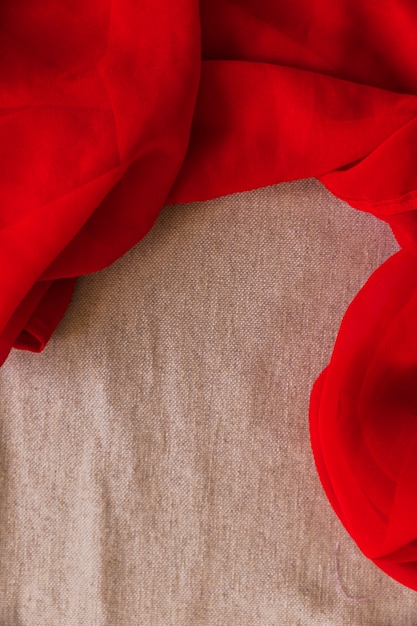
[{"x": 155, "y": 462}]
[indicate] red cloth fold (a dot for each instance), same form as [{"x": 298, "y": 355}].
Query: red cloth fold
[
  {"x": 109, "y": 110},
  {"x": 363, "y": 419}
]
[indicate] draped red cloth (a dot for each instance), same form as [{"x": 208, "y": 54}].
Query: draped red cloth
[{"x": 110, "y": 110}]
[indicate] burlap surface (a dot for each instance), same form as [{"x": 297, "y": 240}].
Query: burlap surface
[{"x": 155, "y": 459}]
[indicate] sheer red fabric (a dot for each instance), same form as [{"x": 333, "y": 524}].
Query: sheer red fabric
[
  {"x": 110, "y": 110},
  {"x": 363, "y": 419}
]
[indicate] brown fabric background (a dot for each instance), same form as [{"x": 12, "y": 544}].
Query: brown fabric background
[{"x": 155, "y": 465}]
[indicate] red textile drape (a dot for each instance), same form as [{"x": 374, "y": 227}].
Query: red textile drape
[{"x": 109, "y": 110}]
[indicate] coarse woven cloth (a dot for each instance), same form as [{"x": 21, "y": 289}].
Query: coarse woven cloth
[{"x": 155, "y": 464}]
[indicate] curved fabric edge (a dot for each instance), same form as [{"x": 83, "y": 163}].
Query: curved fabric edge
[
  {"x": 337, "y": 403},
  {"x": 37, "y": 316}
]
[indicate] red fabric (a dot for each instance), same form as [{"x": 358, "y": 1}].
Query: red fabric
[
  {"x": 363, "y": 419},
  {"x": 109, "y": 110}
]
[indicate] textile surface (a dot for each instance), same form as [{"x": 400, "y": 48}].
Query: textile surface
[
  {"x": 155, "y": 458},
  {"x": 111, "y": 110}
]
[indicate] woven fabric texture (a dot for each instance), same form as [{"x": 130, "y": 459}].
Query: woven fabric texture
[{"x": 155, "y": 462}]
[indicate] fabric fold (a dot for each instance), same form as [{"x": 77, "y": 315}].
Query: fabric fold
[
  {"x": 362, "y": 419},
  {"x": 110, "y": 110}
]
